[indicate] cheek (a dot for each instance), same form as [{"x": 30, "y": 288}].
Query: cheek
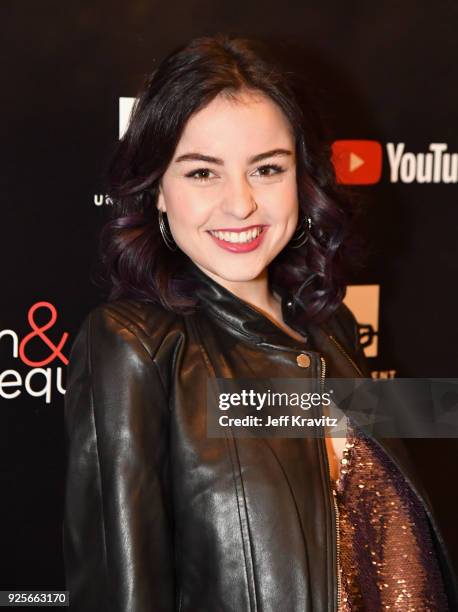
[
  {"x": 185, "y": 210},
  {"x": 280, "y": 200}
]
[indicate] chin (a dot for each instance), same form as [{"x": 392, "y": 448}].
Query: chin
[{"x": 237, "y": 272}]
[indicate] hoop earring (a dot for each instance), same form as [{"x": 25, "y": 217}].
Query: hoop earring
[
  {"x": 302, "y": 234},
  {"x": 168, "y": 239}
]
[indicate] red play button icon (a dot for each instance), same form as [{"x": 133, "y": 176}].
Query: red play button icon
[{"x": 357, "y": 162}]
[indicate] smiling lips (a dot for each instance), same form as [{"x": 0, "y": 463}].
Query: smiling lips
[{"x": 237, "y": 240}]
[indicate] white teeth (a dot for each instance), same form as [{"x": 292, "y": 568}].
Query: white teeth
[{"x": 238, "y": 237}]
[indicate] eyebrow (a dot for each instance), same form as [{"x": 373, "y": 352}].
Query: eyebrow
[{"x": 220, "y": 162}]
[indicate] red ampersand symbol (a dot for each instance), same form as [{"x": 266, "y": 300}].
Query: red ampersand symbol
[{"x": 38, "y": 331}]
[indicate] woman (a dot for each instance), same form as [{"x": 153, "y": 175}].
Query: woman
[{"x": 226, "y": 255}]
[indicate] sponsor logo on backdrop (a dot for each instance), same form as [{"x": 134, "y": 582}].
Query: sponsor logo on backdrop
[
  {"x": 357, "y": 162},
  {"x": 36, "y": 377},
  {"x": 102, "y": 200},
  {"x": 437, "y": 165},
  {"x": 360, "y": 162},
  {"x": 364, "y": 302},
  {"x": 125, "y": 108}
]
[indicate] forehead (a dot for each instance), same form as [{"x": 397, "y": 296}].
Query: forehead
[{"x": 250, "y": 122}]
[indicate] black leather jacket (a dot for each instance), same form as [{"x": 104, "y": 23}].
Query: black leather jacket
[{"x": 159, "y": 517}]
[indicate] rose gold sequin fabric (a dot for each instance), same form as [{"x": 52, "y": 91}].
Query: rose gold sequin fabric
[{"x": 386, "y": 554}]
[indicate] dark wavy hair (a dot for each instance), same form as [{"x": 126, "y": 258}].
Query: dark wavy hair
[{"x": 136, "y": 263}]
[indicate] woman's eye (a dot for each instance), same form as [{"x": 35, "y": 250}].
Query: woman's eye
[
  {"x": 201, "y": 174},
  {"x": 269, "y": 170},
  {"x": 205, "y": 174}
]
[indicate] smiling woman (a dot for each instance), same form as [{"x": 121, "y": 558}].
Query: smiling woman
[{"x": 225, "y": 259}]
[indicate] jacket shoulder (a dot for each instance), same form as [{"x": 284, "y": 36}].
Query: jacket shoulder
[{"x": 151, "y": 323}]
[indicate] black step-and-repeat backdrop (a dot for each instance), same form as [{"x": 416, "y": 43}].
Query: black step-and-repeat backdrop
[{"x": 387, "y": 76}]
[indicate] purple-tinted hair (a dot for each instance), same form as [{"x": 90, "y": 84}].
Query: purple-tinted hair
[{"x": 135, "y": 261}]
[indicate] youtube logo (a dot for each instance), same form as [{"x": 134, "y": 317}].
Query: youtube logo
[{"x": 357, "y": 162}]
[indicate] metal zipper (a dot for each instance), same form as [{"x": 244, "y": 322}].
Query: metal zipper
[
  {"x": 337, "y": 523},
  {"x": 334, "y": 501},
  {"x": 344, "y": 352}
]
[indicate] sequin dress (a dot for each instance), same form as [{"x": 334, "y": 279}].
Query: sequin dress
[{"x": 386, "y": 554}]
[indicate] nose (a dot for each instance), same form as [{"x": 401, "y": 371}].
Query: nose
[{"x": 238, "y": 199}]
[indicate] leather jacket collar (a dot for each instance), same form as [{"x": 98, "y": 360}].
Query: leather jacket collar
[{"x": 244, "y": 318}]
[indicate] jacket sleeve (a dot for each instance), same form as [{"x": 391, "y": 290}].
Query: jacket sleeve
[{"x": 117, "y": 531}]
